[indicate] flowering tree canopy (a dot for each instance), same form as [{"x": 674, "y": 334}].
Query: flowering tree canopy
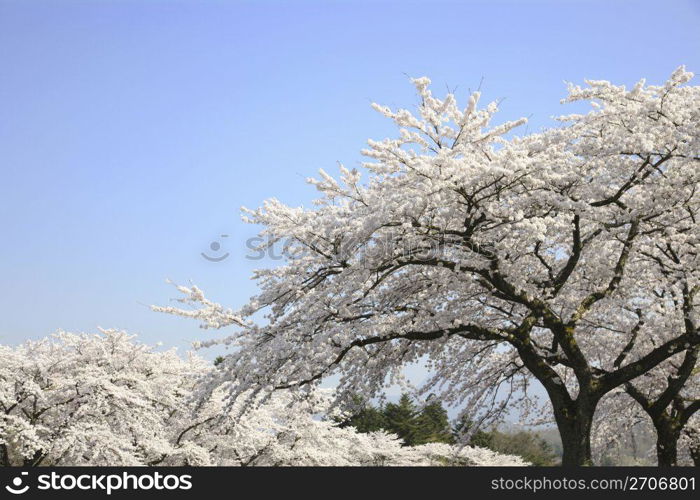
[
  {"x": 107, "y": 400},
  {"x": 569, "y": 255},
  {"x": 665, "y": 399},
  {"x": 90, "y": 400}
]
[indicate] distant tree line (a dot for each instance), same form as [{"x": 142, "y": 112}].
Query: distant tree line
[{"x": 429, "y": 423}]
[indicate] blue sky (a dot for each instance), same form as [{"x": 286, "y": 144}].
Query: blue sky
[{"x": 132, "y": 132}]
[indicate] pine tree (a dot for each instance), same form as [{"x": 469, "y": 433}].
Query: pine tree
[
  {"x": 413, "y": 425},
  {"x": 433, "y": 425},
  {"x": 365, "y": 417},
  {"x": 401, "y": 419}
]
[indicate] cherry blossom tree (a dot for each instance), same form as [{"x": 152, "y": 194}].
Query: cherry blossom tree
[
  {"x": 664, "y": 401},
  {"x": 568, "y": 256},
  {"x": 107, "y": 400},
  {"x": 287, "y": 431},
  {"x": 671, "y": 406},
  {"x": 668, "y": 393},
  {"x": 90, "y": 400},
  {"x": 617, "y": 427}
]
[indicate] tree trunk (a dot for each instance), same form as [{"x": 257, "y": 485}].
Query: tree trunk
[
  {"x": 4, "y": 456},
  {"x": 574, "y": 417},
  {"x": 575, "y": 432},
  {"x": 666, "y": 443},
  {"x": 667, "y": 452}
]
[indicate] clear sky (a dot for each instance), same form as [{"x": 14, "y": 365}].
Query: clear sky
[{"x": 132, "y": 132}]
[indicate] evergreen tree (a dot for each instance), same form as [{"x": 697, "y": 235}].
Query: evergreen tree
[
  {"x": 401, "y": 419},
  {"x": 365, "y": 417},
  {"x": 433, "y": 424},
  {"x": 413, "y": 425}
]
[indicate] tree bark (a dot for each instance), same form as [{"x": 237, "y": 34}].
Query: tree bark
[
  {"x": 574, "y": 417},
  {"x": 4, "y": 456},
  {"x": 666, "y": 452},
  {"x": 574, "y": 426},
  {"x": 666, "y": 442}
]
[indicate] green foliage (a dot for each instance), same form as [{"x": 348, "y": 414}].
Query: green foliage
[
  {"x": 401, "y": 419},
  {"x": 531, "y": 446},
  {"x": 405, "y": 419},
  {"x": 365, "y": 417},
  {"x": 430, "y": 424},
  {"x": 478, "y": 438},
  {"x": 528, "y": 445},
  {"x": 433, "y": 425}
]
